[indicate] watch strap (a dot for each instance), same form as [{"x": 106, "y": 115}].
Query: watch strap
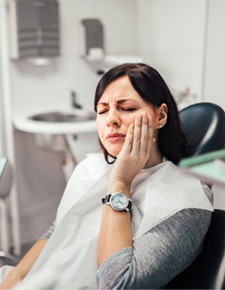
[{"x": 106, "y": 198}]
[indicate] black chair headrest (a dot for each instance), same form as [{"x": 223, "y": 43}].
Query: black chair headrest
[{"x": 204, "y": 127}]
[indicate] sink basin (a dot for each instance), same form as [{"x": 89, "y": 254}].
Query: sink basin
[
  {"x": 56, "y": 121},
  {"x": 60, "y": 117},
  {"x": 61, "y": 130}
]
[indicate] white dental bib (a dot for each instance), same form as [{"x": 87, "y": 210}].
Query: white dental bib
[{"x": 157, "y": 193}]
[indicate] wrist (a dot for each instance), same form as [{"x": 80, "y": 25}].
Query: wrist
[
  {"x": 15, "y": 274},
  {"x": 118, "y": 201},
  {"x": 119, "y": 186}
]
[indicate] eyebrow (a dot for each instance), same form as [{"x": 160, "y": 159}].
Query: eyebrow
[{"x": 121, "y": 101}]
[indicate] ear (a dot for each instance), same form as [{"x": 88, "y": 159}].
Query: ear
[{"x": 162, "y": 117}]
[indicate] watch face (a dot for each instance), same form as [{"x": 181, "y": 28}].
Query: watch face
[{"x": 119, "y": 201}]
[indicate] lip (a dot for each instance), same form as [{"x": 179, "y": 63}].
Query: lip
[{"x": 115, "y": 136}]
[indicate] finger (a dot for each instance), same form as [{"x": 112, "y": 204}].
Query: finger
[
  {"x": 127, "y": 147},
  {"x": 137, "y": 134},
  {"x": 144, "y": 133},
  {"x": 150, "y": 140}
]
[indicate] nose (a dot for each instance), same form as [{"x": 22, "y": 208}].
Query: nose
[{"x": 113, "y": 118}]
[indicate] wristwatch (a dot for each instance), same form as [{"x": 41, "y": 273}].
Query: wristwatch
[{"x": 118, "y": 201}]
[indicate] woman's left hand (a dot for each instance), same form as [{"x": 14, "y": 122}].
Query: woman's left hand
[{"x": 134, "y": 154}]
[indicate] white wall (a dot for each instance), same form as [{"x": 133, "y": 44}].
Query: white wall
[
  {"x": 214, "y": 76},
  {"x": 214, "y": 79},
  {"x": 170, "y": 37}
]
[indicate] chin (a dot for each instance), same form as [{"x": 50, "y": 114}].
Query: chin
[
  {"x": 113, "y": 149},
  {"x": 114, "y": 152}
]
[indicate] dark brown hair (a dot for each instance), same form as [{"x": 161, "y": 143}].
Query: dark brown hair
[{"x": 152, "y": 88}]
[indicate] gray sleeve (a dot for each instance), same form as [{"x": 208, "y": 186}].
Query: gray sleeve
[
  {"x": 158, "y": 256},
  {"x": 49, "y": 232}
]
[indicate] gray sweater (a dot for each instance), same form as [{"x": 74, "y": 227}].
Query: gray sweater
[{"x": 159, "y": 255}]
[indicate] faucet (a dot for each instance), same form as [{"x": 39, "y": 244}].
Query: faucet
[{"x": 74, "y": 101}]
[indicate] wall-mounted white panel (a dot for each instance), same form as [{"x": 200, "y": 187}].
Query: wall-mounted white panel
[{"x": 214, "y": 89}]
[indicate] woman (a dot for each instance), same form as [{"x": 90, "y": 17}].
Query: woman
[{"x": 153, "y": 219}]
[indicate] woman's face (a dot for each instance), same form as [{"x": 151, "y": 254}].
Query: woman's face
[{"x": 116, "y": 110}]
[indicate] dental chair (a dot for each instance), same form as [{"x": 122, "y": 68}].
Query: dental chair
[{"x": 204, "y": 126}]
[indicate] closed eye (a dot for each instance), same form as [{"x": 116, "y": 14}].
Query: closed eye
[
  {"x": 128, "y": 109},
  {"x": 102, "y": 112},
  {"x": 123, "y": 109}
]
